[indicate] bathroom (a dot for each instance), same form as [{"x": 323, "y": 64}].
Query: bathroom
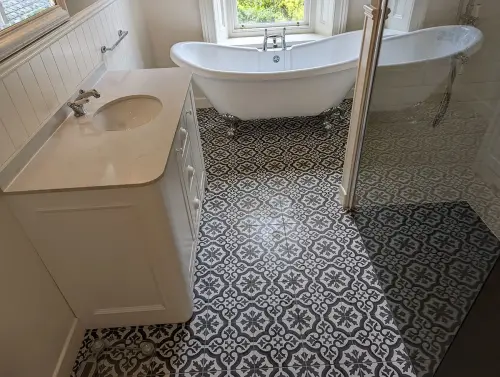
[{"x": 355, "y": 233}]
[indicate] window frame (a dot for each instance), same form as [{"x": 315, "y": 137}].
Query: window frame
[
  {"x": 327, "y": 18},
  {"x": 236, "y": 31},
  {"x": 20, "y": 35}
]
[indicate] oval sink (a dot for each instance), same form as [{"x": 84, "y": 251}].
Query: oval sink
[{"x": 127, "y": 112}]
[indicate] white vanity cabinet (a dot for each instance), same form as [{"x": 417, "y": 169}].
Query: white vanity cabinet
[{"x": 125, "y": 255}]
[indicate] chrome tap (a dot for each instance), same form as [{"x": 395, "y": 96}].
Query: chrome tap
[
  {"x": 83, "y": 98},
  {"x": 275, "y": 39},
  {"x": 86, "y": 94}
]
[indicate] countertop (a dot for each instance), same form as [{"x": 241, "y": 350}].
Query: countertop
[{"x": 78, "y": 156}]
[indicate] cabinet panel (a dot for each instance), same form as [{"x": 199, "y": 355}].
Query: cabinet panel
[
  {"x": 105, "y": 245},
  {"x": 35, "y": 318}
]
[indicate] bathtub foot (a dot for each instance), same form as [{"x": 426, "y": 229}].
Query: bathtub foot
[
  {"x": 332, "y": 116},
  {"x": 328, "y": 125},
  {"x": 231, "y": 122}
]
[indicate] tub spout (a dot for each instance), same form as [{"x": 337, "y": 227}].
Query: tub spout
[{"x": 275, "y": 39}]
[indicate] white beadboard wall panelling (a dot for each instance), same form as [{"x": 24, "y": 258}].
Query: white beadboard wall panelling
[
  {"x": 105, "y": 28},
  {"x": 95, "y": 57},
  {"x": 7, "y": 148},
  {"x": 100, "y": 30},
  {"x": 84, "y": 48},
  {"x": 37, "y": 47},
  {"x": 43, "y": 80},
  {"x": 95, "y": 37},
  {"x": 111, "y": 59},
  {"x": 54, "y": 75},
  {"x": 75, "y": 47},
  {"x": 70, "y": 60},
  {"x": 21, "y": 101},
  {"x": 62, "y": 66},
  {"x": 108, "y": 20},
  {"x": 36, "y": 82},
  {"x": 11, "y": 119},
  {"x": 34, "y": 92}
]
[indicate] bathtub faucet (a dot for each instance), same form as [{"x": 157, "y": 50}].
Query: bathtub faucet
[{"x": 275, "y": 39}]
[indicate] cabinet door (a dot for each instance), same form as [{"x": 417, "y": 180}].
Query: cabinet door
[{"x": 97, "y": 247}]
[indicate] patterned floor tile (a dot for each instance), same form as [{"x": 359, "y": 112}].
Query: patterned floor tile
[
  {"x": 283, "y": 284},
  {"x": 432, "y": 260},
  {"x": 230, "y": 348},
  {"x": 398, "y": 369}
]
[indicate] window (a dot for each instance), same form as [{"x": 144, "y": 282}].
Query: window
[
  {"x": 15, "y": 11},
  {"x": 227, "y": 21},
  {"x": 263, "y": 13},
  {"x": 24, "y": 21},
  {"x": 251, "y": 17}
]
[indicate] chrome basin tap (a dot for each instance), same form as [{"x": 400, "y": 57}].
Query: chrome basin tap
[{"x": 83, "y": 98}]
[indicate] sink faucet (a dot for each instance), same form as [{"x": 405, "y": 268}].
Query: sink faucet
[
  {"x": 275, "y": 39},
  {"x": 82, "y": 99}
]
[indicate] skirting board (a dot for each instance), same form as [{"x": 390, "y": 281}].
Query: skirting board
[
  {"x": 202, "y": 103},
  {"x": 70, "y": 350}
]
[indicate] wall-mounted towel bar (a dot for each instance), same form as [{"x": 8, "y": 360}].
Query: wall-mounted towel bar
[{"x": 121, "y": 35}]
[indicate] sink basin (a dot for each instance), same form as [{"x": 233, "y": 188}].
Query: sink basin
[{"x": 127, "y": 113}]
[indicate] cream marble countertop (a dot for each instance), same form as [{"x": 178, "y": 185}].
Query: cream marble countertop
[{"x": 78, "y": 156}]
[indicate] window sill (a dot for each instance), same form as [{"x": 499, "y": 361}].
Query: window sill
[{"x": 291, "y": 40}]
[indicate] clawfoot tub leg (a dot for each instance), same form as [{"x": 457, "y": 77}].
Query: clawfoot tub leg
[
  {"x": 231, "y": 122},
  {"x": 330, "y": 115}
]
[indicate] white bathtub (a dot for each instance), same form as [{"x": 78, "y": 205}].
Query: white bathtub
[
  {"x": 416, "y": 65},
  {"x": 306, "y": 79}
]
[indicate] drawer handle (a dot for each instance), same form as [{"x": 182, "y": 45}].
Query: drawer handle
[
  {"x": 184, "y": 136},
  {"x": 190, "y": 170},
  {"x": 196, "y": 203}
]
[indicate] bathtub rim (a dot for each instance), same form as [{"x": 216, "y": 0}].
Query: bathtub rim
[
  {"x": 263, "y": 76},
  {"x": 468, "y": 50},
  {"x": 321, "y": 70}
]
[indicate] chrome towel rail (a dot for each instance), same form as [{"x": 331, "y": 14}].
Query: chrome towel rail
[{"x": 121, "y": 35}]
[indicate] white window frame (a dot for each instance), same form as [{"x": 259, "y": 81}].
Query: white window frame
[
  {"x": 18, "y": 36},
  {"x": 326, "y": 18},
  {"x": 406, "y": 15},
  {"x": 237, "y": 31}
]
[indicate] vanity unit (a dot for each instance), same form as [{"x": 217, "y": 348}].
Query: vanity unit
[{"x": 112, "y": 201}]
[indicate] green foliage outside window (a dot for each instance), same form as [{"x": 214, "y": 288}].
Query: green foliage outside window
[{"x": 268, "y": 11}]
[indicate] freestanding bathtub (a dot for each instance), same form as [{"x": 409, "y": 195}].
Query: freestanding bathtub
[{"x": 306, "y": 79}]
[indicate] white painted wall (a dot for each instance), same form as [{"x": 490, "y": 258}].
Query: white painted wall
[
  {"x": 35, "y": 319},
  {"x": 169, "y": 22},
  {"x": 356, "y": 15},
  {"x": 75, "y": 6}
]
